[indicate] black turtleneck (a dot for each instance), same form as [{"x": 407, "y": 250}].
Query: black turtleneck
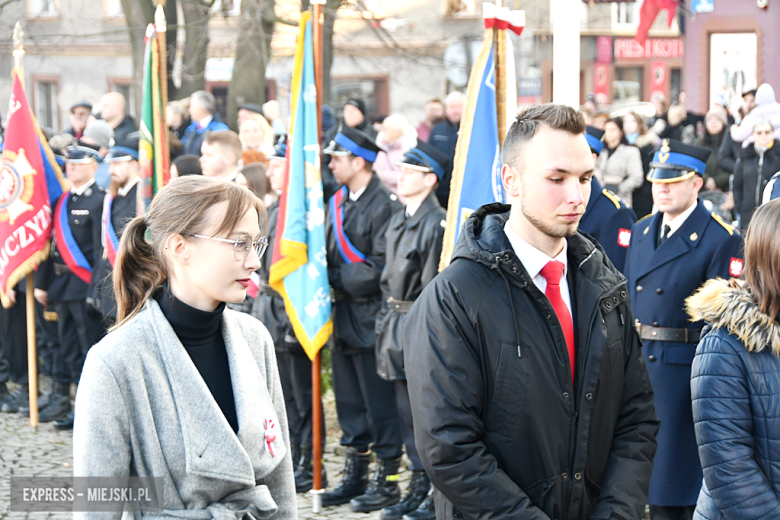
[{"x": 201, "y": 334}]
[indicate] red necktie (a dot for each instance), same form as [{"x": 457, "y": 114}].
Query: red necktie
[{"x": 552, "y": 272}]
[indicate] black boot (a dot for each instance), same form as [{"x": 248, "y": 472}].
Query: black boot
[
  {"x": 426, "y": 511},
  {"x": 17, "y": 398},
  {"x": 59, "y": 404},
  {"x": 383, "y": 490},
  {"x": 43, "y": 398},
  {"x": 353, "y": 482},
  {"x": 65, "y": 423},
  {"x": 415, "y": 495},
  {"x": 304, "y": 475}
]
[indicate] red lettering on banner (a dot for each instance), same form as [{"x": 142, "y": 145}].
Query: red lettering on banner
[{"x": 628, "y": 48}]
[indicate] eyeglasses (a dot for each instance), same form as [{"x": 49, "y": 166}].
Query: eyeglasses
[{"x": 241, "y": 245}]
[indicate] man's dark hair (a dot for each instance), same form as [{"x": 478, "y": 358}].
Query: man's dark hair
[{"x": 557, "y": 117}]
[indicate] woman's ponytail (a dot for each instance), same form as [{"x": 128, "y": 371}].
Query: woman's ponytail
[{"x": 138, "y": 270}]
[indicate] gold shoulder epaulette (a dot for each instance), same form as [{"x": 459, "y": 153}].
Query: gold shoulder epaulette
[
  {"x": 611, "y": 196},
  {"x": 727, "y": 227},
  {"x": 646, "y": 216}
]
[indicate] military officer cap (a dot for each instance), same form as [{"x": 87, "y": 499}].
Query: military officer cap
[
  {"x": 81, "y": 155},
  {"x": 676, "y": 161},
  {"x": 252, "y": 107},
  {"x": 85, "y": 104},
  {"x": 351, "y": 141},
  {"x": 280, "y": 150},
  {"x": 123, "y": 151},
  {"x": 594, "y": 137},
  {"x": 425, "y": 158}
]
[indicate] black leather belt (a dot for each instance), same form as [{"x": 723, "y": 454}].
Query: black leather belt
[
  {"x": 399, "y": 306},
  {"x": 650, "y": 333},
  {"x": 341, "y": 296},
  {"x": 61, "y": 269}
]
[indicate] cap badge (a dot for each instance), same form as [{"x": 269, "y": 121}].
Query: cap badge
[{"x": 663, "y": 154}]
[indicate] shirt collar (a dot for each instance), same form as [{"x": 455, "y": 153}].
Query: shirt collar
[
  {"x": 205, "y": 121},
  {"x": 532, "y": 258},
  {"x": 122, "y": 192},
  {"x": 81, "y": 189},
  {"x": 355, "y": 196},
  {"x": 675, "y": 224}
]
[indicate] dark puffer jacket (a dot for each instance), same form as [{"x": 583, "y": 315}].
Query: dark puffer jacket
[
  {"x": 751, "y": 175},
  {"x": 501, "y": 429},
  {"x": 735, "y": 386}
]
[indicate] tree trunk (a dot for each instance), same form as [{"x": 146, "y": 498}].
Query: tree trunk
[
  {"x": 331, "y": 6},
  {"x": 139, "y": 14},
  {"x": 253, "y": 50},
  {"x": 196, "y": 26}
]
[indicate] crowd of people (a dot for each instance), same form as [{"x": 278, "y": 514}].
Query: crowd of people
[{"x": 604, "y": 341}]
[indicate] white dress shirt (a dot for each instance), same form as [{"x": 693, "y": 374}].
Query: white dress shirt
[
  {"x": 675, "y": 224},
  {"x": 534, "y": 261},
  {"x": 81, "y": 189},
  {"x": 355, "y": 196}
]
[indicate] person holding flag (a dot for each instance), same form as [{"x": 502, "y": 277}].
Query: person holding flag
[
  {"x": 356, "y": 222},
  {"x": 119, "y": 207},
  {"x": 65, "y": 280}
]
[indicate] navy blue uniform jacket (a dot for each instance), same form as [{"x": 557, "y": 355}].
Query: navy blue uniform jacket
[
  {"x": 609, "y": 221},
  {"x": 659, "y": 280}
]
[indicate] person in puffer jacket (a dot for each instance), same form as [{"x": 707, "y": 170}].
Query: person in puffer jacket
[{"x": 735, "y": 385}]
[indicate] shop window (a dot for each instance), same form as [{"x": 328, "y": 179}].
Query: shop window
[
  {"x": 45, "y": 107},
  {"x": 42, "y": 8},
  {"x": 627, "y": 85},
  {"x": 676, "y": 84},
  {"x": 372, "y": 90}
]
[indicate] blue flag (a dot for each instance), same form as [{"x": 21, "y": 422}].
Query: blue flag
[
  {"x": 299, "y": 268},
  {"x": 476, "y": 174}
]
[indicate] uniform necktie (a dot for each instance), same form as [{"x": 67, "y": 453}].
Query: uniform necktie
[
  {"x": 553, "y": 272},
  {"x": 664, "y": 234}
]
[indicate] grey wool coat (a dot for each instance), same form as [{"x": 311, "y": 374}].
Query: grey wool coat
[{"x": 142, "y": 409}]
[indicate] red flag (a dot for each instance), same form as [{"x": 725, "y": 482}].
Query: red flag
[
  {"x": 25, "y": 205},
  {"x": 648, "y": 14}
]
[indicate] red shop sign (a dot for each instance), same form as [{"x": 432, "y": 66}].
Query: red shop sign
[{"x": 653, "y": 48}]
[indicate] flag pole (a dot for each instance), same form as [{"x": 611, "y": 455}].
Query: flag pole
[
  {"x": 316, "y": 376},
  {"x": 32, "y": 355},
  {"x": 162, "y": 28},
  {"x": 499, "y": 37}
]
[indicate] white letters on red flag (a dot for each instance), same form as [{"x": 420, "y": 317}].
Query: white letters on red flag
[{"x": 25, "y": 204}]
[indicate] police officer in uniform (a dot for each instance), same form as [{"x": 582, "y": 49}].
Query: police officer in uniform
[
  {"x": 672, "y": 253},
  {"x": 294, "y": 364},
  {"x": 414, "y": 243},
  {"x": 65, "y": 280},
  {"x": 120, "y": 206},
  {"x": 356, "y": 221},
  {"x": 607, "y": 218}
]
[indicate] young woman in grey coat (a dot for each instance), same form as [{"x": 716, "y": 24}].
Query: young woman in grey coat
[{"x": 183, "y": 388}]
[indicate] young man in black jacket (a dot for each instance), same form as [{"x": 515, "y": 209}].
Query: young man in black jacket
[{"x": 529, "y": 393}]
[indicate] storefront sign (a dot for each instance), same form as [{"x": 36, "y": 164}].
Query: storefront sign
[
  {"x": 628, "y": 48},
  {"x": 657, "y": 78},
  {"x": 604, "y": 49},
  {"x": 529, "y": 91},
  {"x": 601, "y": 83}
]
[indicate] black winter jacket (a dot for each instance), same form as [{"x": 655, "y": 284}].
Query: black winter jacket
[
  {"x": 750, "y": 177},
  {"x": 412, "y": 261},
  {"x": 502, "y": 431}
]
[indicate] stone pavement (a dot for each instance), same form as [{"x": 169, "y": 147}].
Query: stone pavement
[{"x": 47, "y": 452}]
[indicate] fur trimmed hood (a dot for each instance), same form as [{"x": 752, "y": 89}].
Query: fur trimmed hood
[{"x": 727, "y": 305}]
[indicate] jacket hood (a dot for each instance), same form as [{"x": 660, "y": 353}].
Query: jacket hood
[
  {"x": 483, "y": 240},
  {"x": 765, "y": 94},
  {"x": 729, "y": 306}
]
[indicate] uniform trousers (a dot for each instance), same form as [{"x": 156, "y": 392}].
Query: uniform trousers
[
  {"x": 407, "y": 426},
  {"x": 47, "y": 338},
  {"x": 13, "y": 342},
  {"x": 78, "y": 331},
  {"x": 295, "y": 375},
  {"x": 366, "y": 405}
]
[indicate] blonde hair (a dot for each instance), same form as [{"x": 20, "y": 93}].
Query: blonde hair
[
  {"x": 179, "y": 208},
  {"x": 268, "y": 132}
]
